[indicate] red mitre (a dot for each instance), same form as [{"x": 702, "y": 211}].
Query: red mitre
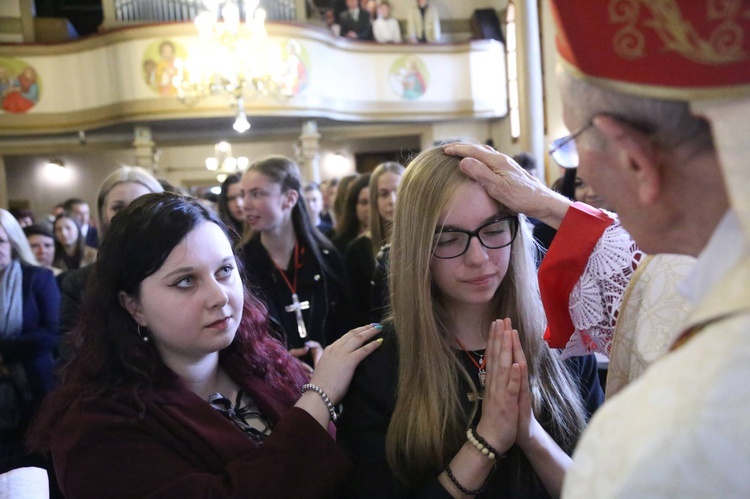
[{"x": 674, "y": 49}]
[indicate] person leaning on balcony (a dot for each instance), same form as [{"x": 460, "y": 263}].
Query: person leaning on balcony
[
  {"x": 423, "y": 23},
  {"x": 355, "y": 22},
  {"x": 385, "y": 28}
]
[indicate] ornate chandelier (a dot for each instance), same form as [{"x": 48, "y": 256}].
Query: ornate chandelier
[
  {"x": 236, "y": 59},
  {"x": 224, "y": 160}
]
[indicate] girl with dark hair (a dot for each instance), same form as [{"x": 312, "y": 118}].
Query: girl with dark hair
[
  {"x": 71, "y": 251},
  {"x": 177, "y": 389},
  {"x": 230, "y": 204},
  {"x": 356, "y": 217},
  {"x": 576, "y": 189},
  {"x": 339, "y": 199},
  {"x": 293, "y": 266}
]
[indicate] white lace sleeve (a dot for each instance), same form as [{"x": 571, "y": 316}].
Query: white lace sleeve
[{"x": 596, "y": 297}]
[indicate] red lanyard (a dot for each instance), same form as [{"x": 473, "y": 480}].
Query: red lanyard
[
  {"x": 480, "y": 367},
  {"x": 297, "y": 266}
]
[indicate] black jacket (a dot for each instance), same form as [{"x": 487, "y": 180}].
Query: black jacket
[
  {"x": 326, "y": 319},
  {"x": 366, "y": 414}
]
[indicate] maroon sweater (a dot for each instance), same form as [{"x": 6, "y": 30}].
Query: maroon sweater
[{"x": 181, "y": 447}]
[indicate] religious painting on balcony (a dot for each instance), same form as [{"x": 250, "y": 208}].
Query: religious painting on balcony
[
  {"x": 159, "y": 68},
  {"x": 298, "y": 60},
  {"x": 20, "y": 86},
  {"x": 409, "y": 77}
]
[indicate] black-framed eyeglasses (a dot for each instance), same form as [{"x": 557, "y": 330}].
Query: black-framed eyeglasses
[
  {"x": 495, "y": 234},
  {"x": 564, "y": 150}
]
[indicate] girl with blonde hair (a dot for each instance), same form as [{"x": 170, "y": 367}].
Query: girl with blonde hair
[
  {"x": 451, "y": 379},
  {"x": 19, "y": 244},
  {"x": 384, "y": 184},
  {"x": 116, "y": 192},
  {"x": 361, "y": 252}
]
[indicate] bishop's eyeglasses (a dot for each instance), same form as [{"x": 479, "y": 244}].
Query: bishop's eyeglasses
[
  {"x": 497, "y": 233},
  {"x": 564, "y": 151}
]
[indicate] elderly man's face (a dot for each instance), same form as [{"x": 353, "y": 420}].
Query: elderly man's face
[{"x": 608, "y": 170}]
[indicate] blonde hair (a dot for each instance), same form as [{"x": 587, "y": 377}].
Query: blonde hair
[
  {"x": 129, "y": 174},
  {"x": 18, "y": 241},
  {"x": 428, "y": 424},
  {"x": 380, "y": 229}
]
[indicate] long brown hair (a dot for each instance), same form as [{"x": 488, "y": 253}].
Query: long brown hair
[
  {"x": 62, "y": 259},
  {"x": 429, "y": 422},
  {"x": 380, "y": 229}
]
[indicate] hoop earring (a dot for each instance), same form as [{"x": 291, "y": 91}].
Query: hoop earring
[{"x": 143, "y": 336}]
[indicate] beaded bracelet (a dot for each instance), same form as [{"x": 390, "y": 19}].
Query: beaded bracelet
[
  {"x": 481, "y": 444},
  {"x": 319, "y": 391},
  {"x": 463, "y": 489}
]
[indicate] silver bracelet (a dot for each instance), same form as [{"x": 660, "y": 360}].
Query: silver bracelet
[{"x": 319, "y": 391}]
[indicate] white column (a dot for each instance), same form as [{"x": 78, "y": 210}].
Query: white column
[
  {"x": 144, "y": 147},
  {"x": 531, "y": 98},
  {"x": 309, "y": 153}
]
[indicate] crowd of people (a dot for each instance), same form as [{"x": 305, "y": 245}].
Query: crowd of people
[
  {"x": 372, "y": 20},
  {"x": 400, "y": 333}
]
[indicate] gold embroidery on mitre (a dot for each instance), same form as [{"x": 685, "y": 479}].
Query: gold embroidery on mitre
[
  {"x": 723, "y": 46},
  {"x": 629, "y": 41}
]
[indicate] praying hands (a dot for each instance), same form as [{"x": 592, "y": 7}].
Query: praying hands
[
  {"x": 507, "y": 380},
  {"x": 507, "y": 419}
]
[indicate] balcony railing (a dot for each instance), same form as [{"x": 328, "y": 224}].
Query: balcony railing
[
  {"x": 156, "y": 10},
  {"x": 127, "y": 12}
]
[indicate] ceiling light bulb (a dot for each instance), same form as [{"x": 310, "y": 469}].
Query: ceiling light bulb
[
  {"x": 229, "y": 165},
  {"x": 241, "y": 125},
  {"x": 212, "y": 164}
]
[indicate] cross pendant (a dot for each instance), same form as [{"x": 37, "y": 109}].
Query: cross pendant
[
  {"x": 296, "y": 307},
  {"x": 482, "y": 380},
  {"x": 482, "y": 377}
]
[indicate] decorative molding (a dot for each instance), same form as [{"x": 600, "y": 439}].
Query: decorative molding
[{"x": 98, "y": 81}]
